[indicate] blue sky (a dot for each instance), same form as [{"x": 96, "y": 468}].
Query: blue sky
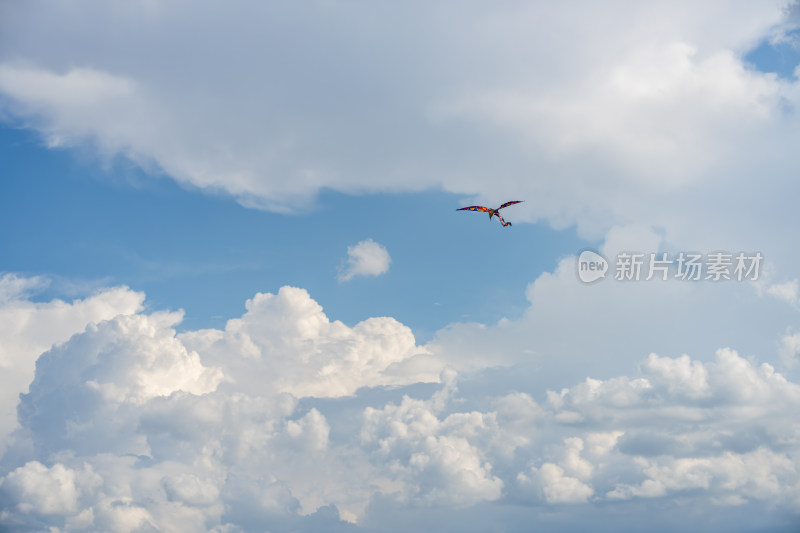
[
  {"x": 236, "y": 295},
  {"x": 206, "y": 254},
  {"x": 777, "y": 57}
]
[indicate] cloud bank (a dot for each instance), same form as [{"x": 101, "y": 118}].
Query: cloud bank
[
  {"x": 288, "y": 420},
  {"x": 597, "y": 115}
]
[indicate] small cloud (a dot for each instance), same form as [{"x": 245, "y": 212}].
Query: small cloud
[
  {"x": 789, "y": 349},
  {"x": 784, "y": 291},
  {"x": 367, "y": 258}
]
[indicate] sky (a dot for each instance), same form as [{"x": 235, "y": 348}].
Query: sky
[{"x": 236, "y": 293}]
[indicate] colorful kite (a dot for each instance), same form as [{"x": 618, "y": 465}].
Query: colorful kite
[{"x": 492, "y": 212}]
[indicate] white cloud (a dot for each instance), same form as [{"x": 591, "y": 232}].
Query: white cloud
[
  {"x": 618, "y": 323},
  {"x": 436, "y": 461},
  {"x": 784, "y": 291},
  {"x": 29, "y": 328},
  {"x": 286, "y": 343},
  {"x": 129, "y": 425},
  {"x": 559, "y": 488},
  {"x": 310, "y": 432},
  {"x": 67, "y": 98},
  {"x": 573, "y": 462},
  {"x": 789, "y": 349},
  {"x": 689, "y": 456},
  {"x": 14, "y": 287},
  {"x": 39, "y": 489},
  {"x": 760, "y": 474},
  {"x": 124, "y": 361},
  {"x": 658, "y": 120},
  {"x": 680, "y": 376},
  {"x": 564, "y": 483},
  {"x": 190, "y": 489},
  {"x": 204, "y": 406},
  {"x": 367, "y": 258}
]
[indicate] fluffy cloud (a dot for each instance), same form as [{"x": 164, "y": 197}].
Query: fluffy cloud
[
  {"x": 724, "y": 442},
  {"x": 760, "y": 474},
  {"x": 436, "y": 460},
  {"x": 140, "y": 404},
  {"x": 571, "y": 330},
  {"x": 559, "y": 488},
  {"x": 29, "y": 328},
  {"x": 129, "y": 425},
  {"x": 100, "y": 374},
  {"x": 654, "y": 106},
  {"x": 286, "y": 343},
  {"x": 367, "y": 258},
  {"x": 286, "y": 419},
  {"x": 49, "y": 491},
  {"x": 680, "y": 376}
]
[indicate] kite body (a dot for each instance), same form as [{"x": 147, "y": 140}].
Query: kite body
[{"x": 492, "y": 212}]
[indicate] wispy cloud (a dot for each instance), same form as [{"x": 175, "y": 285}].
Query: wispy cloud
[{"x": 784, "y": 291}]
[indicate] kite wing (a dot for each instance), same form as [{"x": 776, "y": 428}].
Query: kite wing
[
  {"x": 492, "y": 212},
  {"x": 510, "y": 203},
  {"x": 474, "y": 208}
]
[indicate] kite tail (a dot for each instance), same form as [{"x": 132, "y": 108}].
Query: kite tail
[{"x": 502, "y": 221}]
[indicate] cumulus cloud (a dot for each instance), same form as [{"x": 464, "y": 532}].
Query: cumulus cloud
[
  {"x": 760, "y": 474},
  {"x": 619, "y": 323},
  {"x": 559, "y": 488},
  {"x": 680, "y": 376},
  {"x": 436, "y": 460},
  {"x": 286, "y": 343},
  {"x": 124, "y": 361},
  {"x": 49, "y": 491},
  {"x": 129, "y": 425},
  {"x": 29, "y": 328},
  {"x": 367, "y": 258},
  {"x": 710, "y": 446},
  {"x": 285, "y": 414},
  {"x": 311, "y": 431},
  {"x": 152, "y": 410}
]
